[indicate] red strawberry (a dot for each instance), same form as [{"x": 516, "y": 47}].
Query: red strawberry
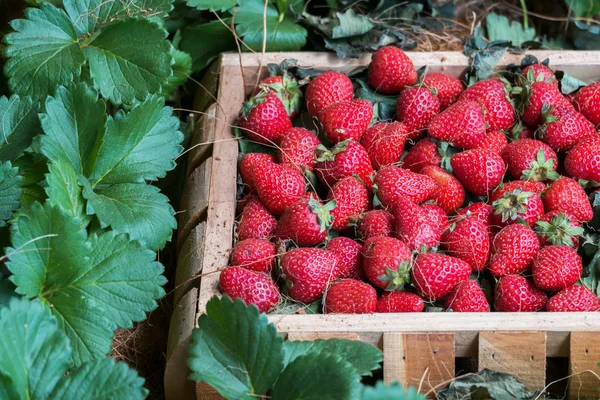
[
  {"x": 298, "y": 148},
  {"x": 250, "y": 286},
  {"x": 351, "y": 198},
  {"x": 556, "y": 267},
  {"x": 256, "y": 222},
  {"x": 437, "y": 215},
  {"x": 530, "y": 159},
  {"x": 416, "y": 107},
  {"x": 516, "y": 206},
  {"x": 393, "y": 183},
  {"x": 568, "y": 196},
  {"x": 385, "y": 143},
  {"x": 326, "y": 89},
  {"x": 348, "y": 252},
  {"x": 587, "y": 101},
  {"x": 469, "y": 240},
  {"x": 400, "y": 302},
  {"x": 264, "y": 119},
  {"x": 435, "y": 275},
  {"x": 494, "y": 140},
  {"x": 278, "y": 186},
  {"x": 386, "y": 262},
  {"x": 558, "y": 228},
  {"x": 306, "y": 222},
  {"x": 494, "y": 96},
  {"x": 309, "y": 272},
  {"x": 416, "y": 226},
  {"x": 513, "y": 250},
  {"x": 515, "y": 293},
  {"x": 345, "y": 159},
  {"x": 583, "y": 161},
  {"x": 539, "y": 72},
  {"x": 526, "y": 186},
  {"x": 255, "y": 254},
  {"x": 247, "y": 164},
  {"x": 534, "y": 96},
  {"x": 449, "y": 193},
  {"x": 574, "y": 299},
  {"x": 448, "y": 88},
  {"x": 425, "y": 152},
  {"x": 564, "y": 127},
  {"x": 519, "y": 131},
  {"x": 391, "y": 70},
  {"x": 461, "y": 125},
  {"x": 480, "y": 211},
  {"x": 286, "y": 88},
  {"x": 375, "y": 223},
  {"x": 479, "y": 170},
  {"x": 349, "y": 296},
  {"x": 346, "y": 120},
  {"x": 467, "y": 296}
]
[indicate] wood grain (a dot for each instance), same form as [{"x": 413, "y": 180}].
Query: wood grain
[
  {"x": 583, "y": 365},
  {"x": 189, "y": 262}
]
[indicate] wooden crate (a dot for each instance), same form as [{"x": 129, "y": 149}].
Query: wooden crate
[{"x": 419, "y": 349}]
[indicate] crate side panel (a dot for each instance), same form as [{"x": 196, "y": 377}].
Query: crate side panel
[
  {"x": 583, "y": 365},
  {"x": 203, "y": 138},
  {"x": 189, "y": 261},
  {"x": 194, "y": 200}
]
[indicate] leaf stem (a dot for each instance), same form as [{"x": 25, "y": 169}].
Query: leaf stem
[{"x": 525, "y": 18}]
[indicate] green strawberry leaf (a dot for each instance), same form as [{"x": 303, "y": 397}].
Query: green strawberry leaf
[
  {"x": 235, "y": 350},
  {"x": 486, "y": 384},
  {"x": 19, "y": 123},
  {"x": 364, "y": 357},
  {"x": 7, "y": 292},
  {"x": 392, "y": 392},
  {"x": 217, "y": 38},
  {"x": 63, "y": 189},
  {"x": 568, "y": 83},
  {"x": 584, "y": 8},
  {"x": 10, "y": 191},
  {"x": 500, "y": 28},
  {"x": 213, "y": 5},
  {"x": 182, "y": 69}
]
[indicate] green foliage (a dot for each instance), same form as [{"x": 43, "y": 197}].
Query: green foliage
[
  {"x": 182, "y": 69},
  {"x": 10, "y": 191},
  {"x": 500, "y": 28},
  {"x": 204, "y": 42},
  {"x": 19, "y": 123},
  {"x": 486, "y": 385},
  {"x": 483, "y": 56},
  {"x": 213, "y": 5},
  {"x": 393, "y": 392},
  {"x": 584, "y": 8}
]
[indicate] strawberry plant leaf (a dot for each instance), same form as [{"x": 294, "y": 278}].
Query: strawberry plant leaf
[
  {"x": 235, "y": 350},
  {"x": 500, "y": 28},
  {"x": 7, "y": 292},
  {"x": 10, "y": 191},
  {"x": 63, "y": 188},
  {"x": 362, "y": 356},
  {"x": 129, "y": 59},
  {"x": 487, "y": 384},
  {"x": 583, "y": 8},
  {"x": 568, "y": 83},
  {"x": 212, "y": 5},
  {"x": 43, "y": 52},
  {"x": 392, "y": 392},
  {"x": 19, "y": 123},
  {"x": 182, "y": 69},
  {"x": 217, "y": 38}
]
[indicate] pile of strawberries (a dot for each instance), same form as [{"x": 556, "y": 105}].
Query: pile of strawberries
[{"x": 474, "y": 185}]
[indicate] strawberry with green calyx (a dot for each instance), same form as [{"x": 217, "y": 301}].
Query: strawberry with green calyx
[
  {"x": 306, "y": 222},
  {"x": 350, "y": 258},
  {"x": 469, "y": 240},
  {"x": 326, "y": 89},
  {"x": 449, "y": 193},
  {"x": 494, "y": 140},
  {"x": 278, "y": 186},
  {"x": 539, "y": 72},
  {"x": 515, "y": 293},
  {"x": 427, "y": 152},
  {"x": 513, "y": 250},
  {"x": 391, "y": 70},
  {"x": 530, "y": 159},
  {"x": 256, "y": 222},
  {"x": 350, "y": 296},
  {"x": 386, "y": 262},
  {"x": 250, "y": 286},
  {"x": 494, "y": 95},
  {"x": 392, "y": 183},
  {"x": 298, "y": 148},
  {"x": 574, "y": 299},
  {"x": 538, "y": 95},
  {"x": 345, "y": 159},
  {"x": 526, "y": 186},
  {"x": 462, "y": 125},
  {"x": 467, "y": 296},
  {"x": 479, "y": 170},
  {"x": 568, "y": 196},
  {"x": 374, "y": 223},
  {"x": 264, "y": 119},
  {"x": 346, "y": 120},
  {"x": 435, "y": 275},
  {"x": 587, "y": 101},
  {"x": 286, "y": 88},
  {"x": 517, "y": 206},
  {"x": 556, "y": 267},
  {"x": 247, "y": 164},
  {"x": 255, "y": 254},
  {"x": 448, "y": 88},
  {"x": 563, "y": 127},
  {"x": 400, "y": 301},
  {"x": 520, "y": 131},
  {"x": 558, "y": 228},
  {"x": 418, "y": 226},
  {"x": 384, "y": 143},
  {"x": 416, "y": 107},
  {"x": 481, "y": 212},
  {"x": 583, "y": 161},
  {"x": 351, "y": 197}
]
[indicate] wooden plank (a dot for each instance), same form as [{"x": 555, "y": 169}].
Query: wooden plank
[
  {"x": 202, "y": 140},
  {"x": 522, "y": 354},
  {"x": 322, "y": 335},
  {"x": 423, "y": 360},
  {"x": 583, "y": 365},
  {"x": 206, "y": 94},
  {"x": 189, "y": 262},
  {"x": 194, "y": 200}
]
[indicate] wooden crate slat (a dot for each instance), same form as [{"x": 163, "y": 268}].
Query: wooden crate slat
[
  {"x": 583, "y": 363},
  {"x": 189, "y": 262},
  {"x": 322, "y": 335},
  {"x": 522, "y": 354},
  {"x": 203, "y": 138}
]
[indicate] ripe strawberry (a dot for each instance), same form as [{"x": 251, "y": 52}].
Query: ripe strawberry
[
  {"x": 386, "y": 262},
  {"x": 558, "y": 228},
  {"x": 435, "y": 275},
  {"x": 583, "y": 161},
  {"x": 256, "y": 222},
  {"x": 348, "y": 252},
  {"x": 462, "y": 125},
  {"x": 574, "y": 299},
  {"x": 286, "y": 88},
  {"x": 437, "y": 215},
  {"x": 587, "y": 101},
  {"x": 534, "y": 96},
  {"x": 449, "y": 193},
  {"x": 417, "y": 226},
  {"x": 448, "y": 88},
  {"x": 255, "y": 254},
  {"x": 298, "y": 148},
  {"x": 516, "y": 206},
  {"x": 494, "y": 140},
  {"x": 515, "y": 293},
  {"x": 345, "y": 159},
  {"x": 306, "y": 222},
  {"x": 250, "y": 286},
  {"x": 526, "y": 186},
  {"x": 467, "y": 296},
  {"x": 479, "y": 170},
  {"x": 568, "y": 196},
  {"x": 326, "y": 89},
  {"x": 520, "y": 131},
  {"x": 393, "y": 183},
  {"x": 424, "y": 153},
  {"x": 480, "y": 211},
  {"x": 351, "y": 198},
  {"x": 564, "y": 127},
  {"x": 416, "y": 106},
  {"x": 400, "y": 302},
  {"x": 309, "y": 272},
  {"x": 375, "y": 223},
  {"x": 494, "y": 96},
  {"x": 513, "y": 250},
  {"x": 346, "y": 120},
  {"x": 391, "y": 70},
  {"x": 469, "y": 240},
  {"x": 264, "y": 119},
  {"x": 539, "y": 72},
  {"x": 278, "y": 186},
  {"x": 385, "y": 143},
  {"x": 349, "y": 296},
  {"x": 556, "y": 267},
  {"x": 247, "y": 164},
  {"x": 530, "y": 159}
]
